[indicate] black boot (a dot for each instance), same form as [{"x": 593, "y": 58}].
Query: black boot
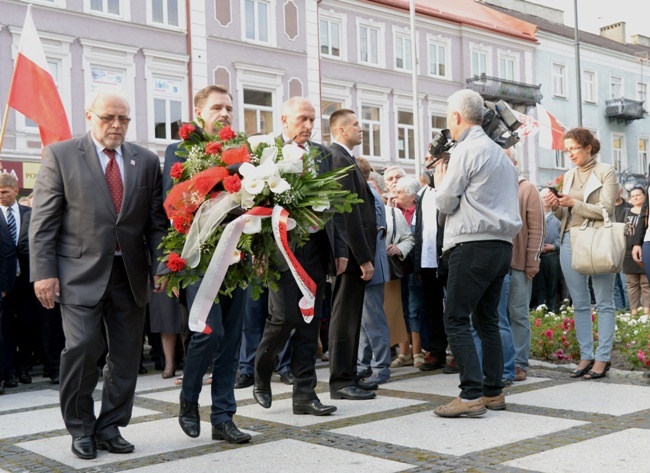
[{"x": 189, "y": 418}]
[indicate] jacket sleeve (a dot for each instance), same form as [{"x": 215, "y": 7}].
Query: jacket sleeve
[
  {"x": 403, "y": 239},
  {"x": 536, "y": 224}
]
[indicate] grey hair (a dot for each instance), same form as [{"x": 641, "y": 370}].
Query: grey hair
[
  {"x": 468, "y": 104},
  {"x": 395, "y": 168},
  {"x": 103, "y": 94},
  {"x": 410, "y": 185},
  {"x": 377, "y": 179},
  {"x": 290, "y": 104}
]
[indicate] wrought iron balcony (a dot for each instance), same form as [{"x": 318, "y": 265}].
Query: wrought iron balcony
[
  {"x": 624, "y": 110},
  {"x": 515, "y": 93}
]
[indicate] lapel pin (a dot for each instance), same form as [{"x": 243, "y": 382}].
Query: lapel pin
[{"x": 132, "y": 162}]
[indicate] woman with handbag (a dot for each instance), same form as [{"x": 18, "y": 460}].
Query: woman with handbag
[{"x": 589, "y": 191}]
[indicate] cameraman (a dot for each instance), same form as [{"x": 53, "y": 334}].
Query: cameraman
[{"x": 477, "y": 191}]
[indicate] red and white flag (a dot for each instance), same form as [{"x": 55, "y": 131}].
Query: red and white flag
[
  {"x": 551, "y": 132},
  {"x": 33, "y": 91}
]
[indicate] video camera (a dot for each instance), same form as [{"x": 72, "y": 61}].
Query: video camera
[{"x": 499, "y": 123}]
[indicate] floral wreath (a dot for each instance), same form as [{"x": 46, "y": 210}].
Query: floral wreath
[{"x": 229, "y": 175}]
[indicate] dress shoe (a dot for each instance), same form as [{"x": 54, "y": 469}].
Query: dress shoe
[
  {"x": 287, "y": 378},
  {"x": 367, "y": 385},
  {"x": 116, "y": 445},
  {"x": 166, "y": 374},
  {"x": 143, "y": 370},
  {"x": 520, "y": 374},
  {"x": 2, "y": 389},
  {"x": 24, "y": 377},
  {"x": 495, "y": 403},
  {"x": 84, "y": 447},
  {"x": 229, "y": 432},
  {"x": 312, "y": 407},
  {"x": 580, "y": 372},
  {"x": 458, "y": 407},
  {"x": 263, "y": 396},
  {"x": 11, "y": 381},
  {"x": 431, "y": 363},
  {"x": 352, "y": 393},
  {"x": 189, "y": 418},
  {"x": 377, "y": 378},
  {"x": 451, "y": 367},
  {"x": 597, "y": 375},
  {"x": 55, "y": 378},
  {"x": 244, "y": 381}
]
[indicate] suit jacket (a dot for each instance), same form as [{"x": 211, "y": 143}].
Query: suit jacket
[
  {"x": 170, "y": 160},
  {"x": 74, "y": 227},
  {"x": 359, "y": 226},
  {"x": 381, "y": 274},
  {"x": 9, "y": 254}
]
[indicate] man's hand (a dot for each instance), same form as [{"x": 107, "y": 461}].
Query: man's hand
[
  {"x": 439, "y": 174},
  {"x": 548, "y": 247},
  {"x": 531, "y": 272},
  {"x": 392, "y": 250},
  {"x": 367, "y": 270},
  {"x": 636, "y": 254},
  {"x": 159, "y": 284},
  {"x": 46, "y": 290},
  {"x": 341, "y": 265}
]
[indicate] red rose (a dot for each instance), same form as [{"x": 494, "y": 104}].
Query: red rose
[
  {"x": 549, "y": 334},
  {"x": 227, "y": 133},
  {"x": 236, "y": 155},
  {"x": 213, "y": 148},
  {"x": 176, "y": 171},
  {"x": 186, "y": 130},
  {"x": 232, "y": 183},
  {"x": 182, "y": 223},
  {"x": 175, "y": 262}
]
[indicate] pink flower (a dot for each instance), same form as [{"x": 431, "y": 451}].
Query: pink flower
[
  {"x": 538, "y": 322},
  {"x": 640, "y": 355},
  {"x": 549, "y": 334}
]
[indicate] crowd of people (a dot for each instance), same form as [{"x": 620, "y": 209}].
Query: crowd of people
[{"x": 437, "y": 272}]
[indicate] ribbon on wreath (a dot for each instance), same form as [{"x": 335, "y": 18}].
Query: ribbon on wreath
[{"x": 226, "y": 253}]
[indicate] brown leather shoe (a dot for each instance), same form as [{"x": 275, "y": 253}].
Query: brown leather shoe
[
  {"x": 495, "y": 403},
  {"x": 520, "y": 374},
  {"x": 458, "y": 407}
]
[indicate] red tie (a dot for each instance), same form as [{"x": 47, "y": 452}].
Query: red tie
[{"x": 114, "y": 180}]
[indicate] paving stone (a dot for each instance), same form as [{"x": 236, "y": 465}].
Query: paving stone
[
  {"x": 205, "y": 398},
  {"x": 20, "y": 400}
]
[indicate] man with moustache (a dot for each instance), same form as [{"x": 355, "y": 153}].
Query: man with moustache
[
  {"x": 97, "y": 209},
  {"x": 317, "y": 258}
]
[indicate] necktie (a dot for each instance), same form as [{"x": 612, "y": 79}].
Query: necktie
[
  {"x": 114, "y": 180},
  {"x": 11, "y": 222}
]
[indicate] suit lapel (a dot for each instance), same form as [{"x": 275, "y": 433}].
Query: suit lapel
[
  {"x": 89, "y": 158},
  {"x": 130, "y": 172}
]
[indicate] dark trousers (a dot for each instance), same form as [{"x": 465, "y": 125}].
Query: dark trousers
[
  {"x": 345, "y": 326},
  {"x": 433, "y": 293},
  {"x": 118, "y": 312},
  {"x": 221, "y": 346},
  {"x": 476, "y": 272},
  {"x": 52, "y": 337},
  {"x": 20, "y": 326},
  {"x": 546, "y": 282}
]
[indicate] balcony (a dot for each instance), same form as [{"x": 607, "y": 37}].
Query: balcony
[
  {"x": 515, "y": 93},
  {"x": 624, "y": 110}
]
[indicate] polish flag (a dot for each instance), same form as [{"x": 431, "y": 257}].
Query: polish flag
[
  {"x": 551, "y": 133},
  {"x": 33, "y": 91}
]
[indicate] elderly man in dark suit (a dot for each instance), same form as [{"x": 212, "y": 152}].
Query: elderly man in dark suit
[
  {"x": 355, "y": 268},
  {"x": 317, "y": 257},
  {"x": 97, "y": 211}
]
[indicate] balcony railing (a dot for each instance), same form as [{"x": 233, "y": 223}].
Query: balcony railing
[
  {"x": 515, "y": 93},
  {"x": 624, "y": 110}
]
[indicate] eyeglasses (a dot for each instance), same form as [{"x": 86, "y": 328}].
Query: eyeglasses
[
  {"x": 110, "y": 119},
  {"x": 572, "y": 150}
]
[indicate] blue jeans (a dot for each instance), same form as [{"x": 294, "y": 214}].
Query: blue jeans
[
  {"x": 603, "y": 285},
  {"x": 620, "y": 292},
  {"x": 518, "y": 301},
  {"x": 476, "y": 272},
  {"x": 374, "y": 341},
  {"x": 508, "y": 345}
]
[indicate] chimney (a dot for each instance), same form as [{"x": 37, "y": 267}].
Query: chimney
[
  {"x": 614, "y": 32},
  {"x": 640, "y": 40}
]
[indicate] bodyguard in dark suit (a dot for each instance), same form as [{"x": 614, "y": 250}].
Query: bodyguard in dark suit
[
  {"x": 355, "y": 268},
  {"x": 18, "y": 319},
  {"x": 316, "y": 257},
  {"x": 97, "y": 209}
]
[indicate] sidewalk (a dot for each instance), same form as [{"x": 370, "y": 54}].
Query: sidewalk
[{"x": 552, "y": 424}]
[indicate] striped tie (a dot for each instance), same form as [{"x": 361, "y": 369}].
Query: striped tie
[{"x": 11, "y": 222}]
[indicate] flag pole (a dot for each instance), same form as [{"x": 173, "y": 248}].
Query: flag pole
[{"x": 5, "y": 117}]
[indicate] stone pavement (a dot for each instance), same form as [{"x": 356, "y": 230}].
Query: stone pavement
[{"x": 552, "y": 424}]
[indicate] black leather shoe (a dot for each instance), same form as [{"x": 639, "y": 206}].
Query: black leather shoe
[
  {"x": 189, "y": 418},
  {"x": 352, "y": 393},
  {"x": 11, "y": 381},
  {"x": 244, "y": 381},
  {"x": 287, "y": 378},
  {"x": 54, "y": 378},
  {"x": 2, "y": 389},
  {"x": 312, "y": 407},
  {"x": 229, "y": 432},
  {"x": 367, "y": 385},
  {"x": 24, "y": 377},
  {"x": 142, "y": 369},
  {"x": 116, "y": 445},
  {"x": 84, "y": 447},
  {"x": 262, "y": 395}
]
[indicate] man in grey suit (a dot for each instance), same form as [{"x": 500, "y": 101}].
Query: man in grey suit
[{"x": 97, "y": 212}]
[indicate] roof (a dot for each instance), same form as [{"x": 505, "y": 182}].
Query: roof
[{"x": 470, "y": 13}]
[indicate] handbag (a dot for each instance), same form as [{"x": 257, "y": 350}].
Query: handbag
[
  {"x": 598, "y": 250},
  {"x": 398, "y": 268}
]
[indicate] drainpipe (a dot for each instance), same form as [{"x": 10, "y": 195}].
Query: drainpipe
[{"x": 190, "y": 88}]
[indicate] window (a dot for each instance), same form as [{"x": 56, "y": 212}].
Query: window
[
  {"x": 589, "y": 86},
  {"x": 328, "y": 107},
  {"x": 641, "y": 91},
  {"x": 257, "y": 16},
  {"x": 258, "y": 111},
  {"x": 560, "y": 160},
  {"x": 618, "y": 153},
  {"x": 111, "y": 7},
  {"x": 615, "y": 87},
  {"x": 370, "y": 43},
  {"x": 643, "y": 155},
  {"x": 405, "y": 135},
  {"x": 507, "y": 68},
  {"x": 370, "y": 121},
  {"x": 167, "y": 107},
  {"x": 438, "y": 122},
  {"x": 559, "y": 80},
  {"x": 479, "y": 63},
  {"x": 330, "y": 37},
  {"x": 165, "y": 12},
  {"x": 403, "y": 52},
  {"x": 437, "y": 59}
]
